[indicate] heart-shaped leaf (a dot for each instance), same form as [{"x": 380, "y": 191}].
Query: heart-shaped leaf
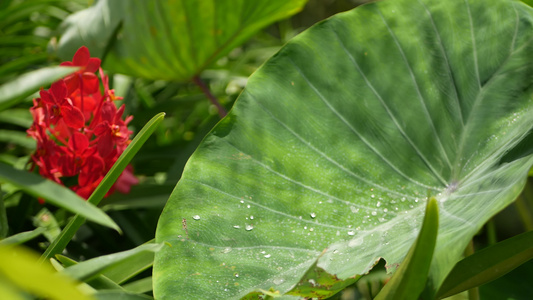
[
  {"x": 173, "y": 40},
  {"x": 337, "y": 141}
]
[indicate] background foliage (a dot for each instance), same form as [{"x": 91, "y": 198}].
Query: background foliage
[{"x": 32, "y": 37}]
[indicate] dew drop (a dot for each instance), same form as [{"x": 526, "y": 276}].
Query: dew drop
[
  {"x": 372, "y": 196},
  {"x": 313, "y": 215},
  {"x": 236, "y": 226},
  {"x": 267, "y": 256},
  {"x": 196, "y": 217},
  {"x": 242, "y": 201},
  {"x": 248, "y": 206},
  {"x": 226, "y": 250},
  {"x": 378, "y": 204},
  {"x": 278, "y": 281},
  {"x": 351, "y": 232},
  {"x": 251, "y": 217},
  {"x": 237, "y": 275},
  {"x": 249, "y": 227},
  {"x": 374, "y": 213}
]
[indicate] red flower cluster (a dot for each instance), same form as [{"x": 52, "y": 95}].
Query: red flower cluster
[{"x": 79, "y": 131}]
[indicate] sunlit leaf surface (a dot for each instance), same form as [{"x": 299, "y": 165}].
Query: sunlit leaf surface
[{"x": 337, "y": 141}]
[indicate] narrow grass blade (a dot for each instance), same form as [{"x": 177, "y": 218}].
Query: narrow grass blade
[
  {"x": 100, "y": 282},
  {"x": 22, "y": 237},
  {"x": 55, "y": 194},
  {"x": 68, "y": 232},
  {"x": 3, "y": 216},
  {"x": 410, "y": 279},
  {"x": 91, "y": 268},
  {"x": 140, "y": 286},
  {"x": 120, "y": 295},
  {"x": 14, "y": 91},
  {"x": 488, "y": 264}
]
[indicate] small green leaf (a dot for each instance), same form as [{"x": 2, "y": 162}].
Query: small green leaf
[
  {"x": 317, "y": 283},
  {"x": 68, "y": 232},
  {"x": 55, "y": 194},
  {"x": 99, "y": 265},
  {"x": 14, "y": 91},
  {"x": 19, "y": 266},
  {"x": 488, "y": 264},
  {"x": 409, "y": 280}
]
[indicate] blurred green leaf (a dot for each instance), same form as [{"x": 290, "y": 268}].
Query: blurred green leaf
[
  {"x": 488, "y": 264},
  {"x": 22, "y": 237},
  {"x": 336, "y": 140},
  {"x": 14, "y": 91},
  {"x": 172, "y": 40},
  {"x": 45, "y": 219},
  {"x": 410, "y": 279},
  {"x": 18, "y": 138},
  {"x": 100, "y": 265},
  {"x": 122, "y": 162},
  {"x": 19, "y": 266},
  {"x": 55, "y": 194},
  {"x": 18, "y": 116}
]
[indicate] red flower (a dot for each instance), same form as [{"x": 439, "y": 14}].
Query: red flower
[{"x": 79, "y": 131}]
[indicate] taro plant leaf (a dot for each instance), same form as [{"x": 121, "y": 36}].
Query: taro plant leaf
[
  {"x": 55, "y": 194},
  {"x": 337, "y": 140},
  {"x": 93, "y": 267},
  {"x": 488, "y": 264},
  {"x": 14, "y": 91},
  {"x": 172, "y": 40},
  {"x": 410, "y": 279}
]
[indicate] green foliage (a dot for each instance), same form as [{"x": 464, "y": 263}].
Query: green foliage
[
  {"x": 399, "y": 99},
  {"x": 207, "y": 31},
  {"x": 20, "y": 271},
  {"x": 314, "y": 185},
  {"x": 488, "y": 264}
]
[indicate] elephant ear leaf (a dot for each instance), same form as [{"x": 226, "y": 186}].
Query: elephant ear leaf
[
  {"x": 338, "y": 139},
  {"x": 172, "y": 40}
]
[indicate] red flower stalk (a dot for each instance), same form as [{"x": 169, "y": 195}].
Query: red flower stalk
[{"x": 79, "y": 131}]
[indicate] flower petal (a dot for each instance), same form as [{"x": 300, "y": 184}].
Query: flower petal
[
  {"x": 81, "y": 58},
  {"x": 72, "y": 116}
]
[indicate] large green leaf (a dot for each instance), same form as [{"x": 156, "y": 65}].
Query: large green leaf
[
  {"x": 338, "y": 139},
  {"x": 172, "y": 40}
]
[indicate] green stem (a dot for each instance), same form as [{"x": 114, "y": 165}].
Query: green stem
[
  {"x": 3, "y": 217},
  {"x": 524, "y": 213},
  {"x": 221, "y": 111},
  {"x": 473, "y": 293},
  {"x": 491, "y": 232}
]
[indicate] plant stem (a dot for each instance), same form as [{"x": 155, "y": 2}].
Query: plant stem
[
  {"x": 491, "y": 232},
  {"x": 205, "y": 89},
  {"x": 3, "y": 217},
  {"x": 524, "y": 212},
  {"x": 473, "y": 293}
]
